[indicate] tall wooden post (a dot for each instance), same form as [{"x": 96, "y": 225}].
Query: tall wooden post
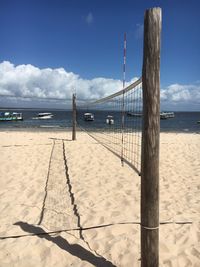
[
  {"x": 74, "y": 117},
  {"x": 150, "y": 140}
]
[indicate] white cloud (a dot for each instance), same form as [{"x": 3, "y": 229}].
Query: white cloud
[
  {"x": 30, "y": 81},
  {"x": 89, "y": 18},
  {"x": 178, "y": 92},
  {"x": 180, "y": 96}
]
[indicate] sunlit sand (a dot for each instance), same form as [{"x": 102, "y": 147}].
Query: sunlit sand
[{"x": 71, "y": 203}]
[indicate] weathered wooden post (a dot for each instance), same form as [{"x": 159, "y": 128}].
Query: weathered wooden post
[
  {"x": 74, "y": 117},
  {"x": 150, "y": 140}
]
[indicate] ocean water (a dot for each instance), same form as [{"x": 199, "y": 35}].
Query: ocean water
[{"x": 62, "y": 119}]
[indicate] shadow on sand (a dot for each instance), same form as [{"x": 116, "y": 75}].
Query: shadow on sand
[{"x": 74, "y": 249}]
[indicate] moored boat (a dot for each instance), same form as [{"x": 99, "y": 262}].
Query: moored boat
[
  {"x": 88, "y": 116},
  {"x": 43, "y": 116},
  {"x": 110, "y": 120},
  {"x": 11, "y": 116},
  {"x": 166, "y": 115},
  {"x": 133, "y": 114}
]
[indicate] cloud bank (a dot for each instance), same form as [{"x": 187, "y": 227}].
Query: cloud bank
[
  {"x": 181, "y": 97},
  {"x": 29, "y": 81}
]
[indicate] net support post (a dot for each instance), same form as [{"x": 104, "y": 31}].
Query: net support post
[
  {"x": 150, "y": 140},
  {"x": 73, "y": 117}
]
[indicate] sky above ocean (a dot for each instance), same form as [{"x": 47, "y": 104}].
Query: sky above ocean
[{"x": 52, "y": 48}]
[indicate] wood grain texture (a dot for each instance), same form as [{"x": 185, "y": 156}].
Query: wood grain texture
[{"x": 150, "y": 139}]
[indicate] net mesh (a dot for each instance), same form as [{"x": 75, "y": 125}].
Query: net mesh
[{"x": 116, "y": 122}]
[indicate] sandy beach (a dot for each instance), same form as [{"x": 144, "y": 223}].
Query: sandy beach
[{"x": 71, "y": 203}]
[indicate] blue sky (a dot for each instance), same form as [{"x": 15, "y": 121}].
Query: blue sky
[{"x": 85, "y": 37}]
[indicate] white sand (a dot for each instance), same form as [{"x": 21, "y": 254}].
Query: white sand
[{"x": 86, "y": 186}]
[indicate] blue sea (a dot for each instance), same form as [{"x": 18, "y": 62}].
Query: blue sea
[{"x": 62, "y": 119}]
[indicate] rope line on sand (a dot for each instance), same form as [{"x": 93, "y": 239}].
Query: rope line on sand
[
  {"x": 90, "y": 228},
  {"x": 47, "y": 180},
  {"x": 26, "y": 145}
]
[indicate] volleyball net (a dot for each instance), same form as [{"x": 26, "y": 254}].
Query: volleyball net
[{"x": 115, "y": 121}]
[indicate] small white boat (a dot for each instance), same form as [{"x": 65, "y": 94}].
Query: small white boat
[
  {"x": 43, "y": 116},
  {"x": 88, "y": 116},
  {"x": 110, "y": 120}
]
